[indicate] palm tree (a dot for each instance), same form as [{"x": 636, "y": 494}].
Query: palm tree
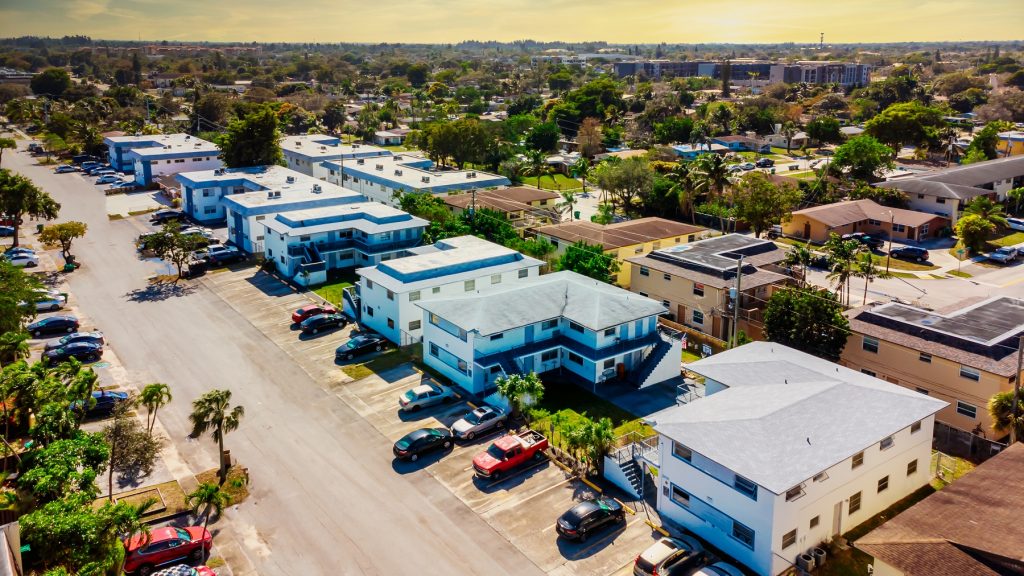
[
  {"x": 867, "y": 270},
  {"x": 842, "y": 257},
  {"x": 520, "y": 391},
  {"x": 712, "y": 178},
  {"x": 213, "y": 412},
  {"x": 154, "y": 396},
  {"x": 684, "y": 186},
  {"x": 124, "y": 524},
  {"x": 567, "y": 203},
  {"x": 210, "y": 497},
  {"x": 536, "y": 164},
  {"x": 599, "y": 437},
  {"x": 1017, "y": 194},
  {"x": 581, "y": 168},
  {"x": 1000, "y": 408},
  {"x": 13, "y": 347},
  {"x": 723, "y": 117},
  {"x": 800, "y": 255},
  {"x": 987, "y": 210},
  {"x": 789, "y": 130}
]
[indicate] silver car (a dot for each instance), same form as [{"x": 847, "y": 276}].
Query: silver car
[
  {"x": 668, "y": 551},
  {"x": 425, "y": 395},
  {"x": 480, "y": 421},
  {"x": 50, "y": 300}
]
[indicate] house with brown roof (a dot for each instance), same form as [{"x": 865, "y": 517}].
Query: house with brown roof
[
  {"x": 818, "y": 222},
  {"x": 970, "y": 527},
  {"x": 523, "y": 207},
  {"x": 622, "y": 240},
  {"x": 964, "y": 354}
]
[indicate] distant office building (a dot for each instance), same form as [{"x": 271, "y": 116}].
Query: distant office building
[
  {"x": 740, "y": 70},
  {"x": 842, "y": 73}
]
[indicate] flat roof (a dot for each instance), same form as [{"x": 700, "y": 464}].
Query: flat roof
[
  {"x": 714, "y": 261},
  {"x": 322, "y": 147},
  {"x": 786, "y": 415},
  {"x": 264, "y": 178},
  {"x": 614, "y": 236},
  {"x": 370, "y": 217},
  {"x": 412, "y": 172},
  {"x": 163, "y": 145}
]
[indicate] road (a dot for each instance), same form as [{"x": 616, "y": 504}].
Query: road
[{"x": 325, "y": 499}]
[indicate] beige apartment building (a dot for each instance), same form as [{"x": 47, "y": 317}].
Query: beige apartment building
[
  {"x": 696, "y": 281},
  {"x": 963, "y": 355}
]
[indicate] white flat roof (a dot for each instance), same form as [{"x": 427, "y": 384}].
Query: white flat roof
[
  {"x": 164, "y": 144},
  {"x": 787, "y": 415},
  {"x": 321, "y": 147},
  {"x": 397, "y": 169},
  {"x": 262, "y": 178},
  {"x": 370, "y": 217}
]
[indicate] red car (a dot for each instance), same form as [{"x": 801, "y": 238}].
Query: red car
[
  {"x": 165, "y": 545},
  {"x": 309, "y": 311}
]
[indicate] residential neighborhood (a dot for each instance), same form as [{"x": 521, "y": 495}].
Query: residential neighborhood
[{"x": 380, "y": 299}]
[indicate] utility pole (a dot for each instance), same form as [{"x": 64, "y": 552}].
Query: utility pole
[
  {"x": 472, "y": 209},
  {"x": 1016, "y": 390},
  {"x": 736, "y": 303},
  {"x": 888, "y": 256}
]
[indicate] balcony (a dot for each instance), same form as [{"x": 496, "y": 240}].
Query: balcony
[
  {"x": 358, "y": 243},
  {"x": 592, "y": 354}
]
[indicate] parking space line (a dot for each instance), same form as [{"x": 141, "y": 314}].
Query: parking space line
[{"x": 601, "y": 541}]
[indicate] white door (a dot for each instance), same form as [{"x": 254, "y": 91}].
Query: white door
[{"x": 837, "y": 519}]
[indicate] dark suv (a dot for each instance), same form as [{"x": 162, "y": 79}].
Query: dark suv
[
  {"x": 910, "y": 253},
  {"x": 871, "y": 242}
]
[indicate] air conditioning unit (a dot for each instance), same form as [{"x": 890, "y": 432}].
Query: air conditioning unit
[
  {"x": 298, "y": 144},
  {"x": 398, "y": 172},
  {"x": 470, "y": 174},
  {"x": 425, "y": 179},
  {"x": 290, "y": 179},
  {"x": 805, "y": 562},
  {"x": 354, "y": 146},
  {"x": 360, "y": 161},
  {"x": 277, "y": 193},
  {"x": 380, "y": 167},
  {"x": 317, "y": 188}
]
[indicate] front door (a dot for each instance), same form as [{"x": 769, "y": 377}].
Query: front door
[
  {"x": 528, "y": 364},
  {"x": 529, "y": 334},
  {"x": 807, "y": 230},
  {"x": 837, "y": 519}
]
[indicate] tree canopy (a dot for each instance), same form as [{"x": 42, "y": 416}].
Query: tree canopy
[
  {"x": 252, "y": 140},
  {"x": 862, "y": 157},
  {"x": 808, "y": 319},
  {"x": 762, "y": 203},
  {"x": 588, "y": 260}
]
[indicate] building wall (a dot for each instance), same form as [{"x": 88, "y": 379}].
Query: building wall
[
  {"x": 147, "y": 170},
  {"x": 819, "y": 232},
  {"x": 206, "y": 205},
  {"x": 434, "y": 336},
  {"x": 1010, "y": 145},
  {"x": 276, "y": 248},
  {"x": 939, "y": 378},
  {"x": 950, "y": 208},
  {"x": 624, "y": 276}
]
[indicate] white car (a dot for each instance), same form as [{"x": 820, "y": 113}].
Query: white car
[
  {"x": 1015, "y": 223},
  {"x": 666, "y": 553},
  {"x": 23, "y": 260},
  {"x": 719, "y": 569},
  {"x": 480, "y": 421},
  {"x": 50, "y": 300},
  {"x": 423, "y": 396}
]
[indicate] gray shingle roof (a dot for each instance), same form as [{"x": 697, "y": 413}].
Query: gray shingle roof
[{"x": 961, "y": 181}]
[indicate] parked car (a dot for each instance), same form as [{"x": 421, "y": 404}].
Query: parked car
[
  {"x": 186, "y": 570},
  {"x": 410, "y": 446},
  {"x": 764, "y": 163},
  {"x": 6, "y": 230},
  {"x": 81, "y": 351},
  {"x": 90, "y": 337},
  {"x": 667, "y": 551},
  {"x": 103, "y": 403},
  {"x": 53, "y": 325},
  {"x": 90, "y": 165},
  {"x": 910, "y": 253},
  {"x": 102, "y": 171},
  {"x": 65, "y": 168},
  {"x": 360, "y": 344},
  {"x": 508, "y": 453},
  {"x": 1003, "y": 255},
  {"x": 22, "y": 259},
  {"x": 588, "y": 517},
  {"x": 108, "y": 179},
  {"x": 125, "y": 185},
  {"x": 478, "y": 422},
  {"x": 735, "y": 168},
  {"x": 323, "y": 322},
  {"x": 83, "y": 158},
  {"x": 309, "y": 311},
  {"x": 716, "y": 569},
  {"x": 197, "y": 231},
  {"x": 50, "y": 300},
  {"x": 1015, "y": 223},
  {"x": 18, "y": 250},
  {"x": 165, "y": 545},
  {"x": 425, "y": 395},
  {"x": 871, "y": 242},
  {"x": 1020, "y": 250},
  {"x": 747, "y": 166},
  {"x": 223, "y": 255},
  {"x": 775, "y": 232},
  {"x": 161, "y": 216}
]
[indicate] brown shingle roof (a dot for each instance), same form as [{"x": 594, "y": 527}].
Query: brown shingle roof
[
  {"x": 843, "y": 213},
  {"x": 977, "y": 516},
  {"x": 613, "y": 236}
]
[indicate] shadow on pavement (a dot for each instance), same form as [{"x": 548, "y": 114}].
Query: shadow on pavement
[{"x": 158, "y": 291}]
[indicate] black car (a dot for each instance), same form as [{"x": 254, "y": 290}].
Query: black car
[
  {"x": 765, "y": 163},
  {"x": 224, "y": 255},
  {"x": 410, "y": 446},
  {"x": 81, "y": 351},
  {"x": 161, "y": 216},
  {"x": 89, "y": 337},
  {"x": 53, "y": 325},
  {"x": 103, "y": 405},
  {"x": 588, "y": 517},
  {"x": 321, "y": 322},
  {"x": 865, "y": 239},
  {"x": 361, "y": 344},
  {"x": 910, "y": 253}
]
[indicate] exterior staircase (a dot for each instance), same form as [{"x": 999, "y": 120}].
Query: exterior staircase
[
  {"x": 661, "y": 363},
  {"x": 350, "y": 302},
  {"x": 634, "y": 474}
]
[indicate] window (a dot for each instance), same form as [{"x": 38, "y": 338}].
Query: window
[
  {"x": 915, "y": 427},
  {"x": 644, "y": 294},
  {"x": 666, "y": 303},
  {"x": 744, "y": 534},
  {"x": 965, "y": 409},
  {"x": 577, "y": 327},
  {"x": 815, "y": 521},
  {"x": 645, "y": 271},
  {"x": 820, "y": 477},
  {"x": 912, "y": 467},
  {"x": 415, "y": 325},
  {"x": 549, "y": 324},
  {"x": 609, "y": 332},
  {"x": 926, "y": 358},
  {"x": 788, "y": 539},
  {"x": 638, "y": 250},
  {"x": 666, "y": 277},
  {"x": 898, "y": 227},
  {"x": 698, "y": 290},
  {"x": 369, "y": 311},
  {"x": 414, "y": 296},
  {"x": 698, "y": 317},
  {"x": 870, "y": 344},
  {"x": 391, "y": 323},
  {"x": 794, "y": 493},
  {"x": 210, "y": 210},
  {"x": 681, "y": 451},
  {"x": 883, "y": 484},
  {"x": 303, "y": 238},
  {"x": 549, "y": 356},
  {"x": 921, "y": 391},
  {"x": 970, "y": 373},
  {"x": 470, "y": 285},
  {"x": 391, "y": 295},
  {"x": 495, "y": 278},
  {"x": 495, "y": 369},
  {"x": 575, "y": 358},
  {"x": 369, "y": 284},
  {"x": 854, "y": 503},
  {"x": 207, "y": 193},
  {"x": 886, "y": 443},
  {"x": 497, "y": 336},
  {"x": 524, "y": 273},
  {"x": 858, "y": 459},
  {"x": 434, "y": 350},
  {"x": 264, "y": 217},
  {"x": 868, "y": 372},
  {"x": 679, "y": 496},
  {"x": 924, "y": 229},
  {"x": 940, "y": 200},
  {"x": 745, "y": 486},
  {"x": 435, "y": 290},
  {"x": 609, "y": 363}
]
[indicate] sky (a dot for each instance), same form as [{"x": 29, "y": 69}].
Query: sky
[{"x": 442, "y": 21}]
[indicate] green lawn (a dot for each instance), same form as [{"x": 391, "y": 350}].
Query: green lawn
[
  {"x": 809, "y": 175},
  {"x": 398, "y": 148},
  {"x": 571, "y": 402},
  {"x": 1011, "y": 239},
  {"x": 333, "y": 288},
  {"x": 897, "y": 264},
  {"x": 690, "y": 356},
  {"x": 958, "y": 273},
  {"x": 556, "y": 182}
]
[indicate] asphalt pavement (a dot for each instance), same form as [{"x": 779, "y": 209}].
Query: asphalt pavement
[{"x": 325, "y": 498}]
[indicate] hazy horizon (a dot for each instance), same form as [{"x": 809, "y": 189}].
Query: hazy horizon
[{"x": 452, "y": 21}]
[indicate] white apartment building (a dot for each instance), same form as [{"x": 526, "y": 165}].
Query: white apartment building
[
  {"x": 156, "y": 155},
  {"x": 787, "y": 450},
  {"x": 307, "y": 153}
]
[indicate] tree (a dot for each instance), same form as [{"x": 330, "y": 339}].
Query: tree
[
  {"x": 209, "y": 497},
  {"x": 862, "y": 157},
  {"x": 987, "y": 210},
  {"x": 824, "y": 129},
  {"x": 581, "y": 169},
  {"x": 626, "y": 181},
  {"x": 1000, "y": 408},
  {"x": 808, "y": 319},
  {"x": 154, "y": 396},
  {"x": 789, "y": 131},
  {"x": 335, "y": 115},
  {"x": 892, "y": 197},
  {"x": 905, "y": 123},
  {"x": 842, "y": 255},
  {"x": 64, "y": 467},
  {"x": 684, "y": 187},
  {"x": 133, "y": 451},
  {"x": 13, "y": 346},
  {"x": 973, "y": 231},
  {"x": 726, "y": 72},
  {"x": 171, "y": 244},
  {"x": 16, "y": 287},
  {"x": 212, "y": 412},
  {"x": 1016, "y": 194},
  {"x": 987, "y": 139},
  {"x": 799, "y": 255},
  {"x": 52, "y": 82},
  {"x": 520, "y": 390},
  {"x": 6, "y": 143},
  {"x": 761, "y": 202},
  {"x": 723, "y": 116},
  {"x": 544, "y": 137},
  {"x": 869, "y": 271},
  {"x": 567, "y": 203},
  {"x": 417, "y": 74},
  {"x": 588, "y": 260},
  {"x": 62, "y": 235},
  {"x": 252, "y": 140},
  {"x": 673, "y": 129},
  {"x": 20, "y": 197},
  {"x": 588, "y": 139}
]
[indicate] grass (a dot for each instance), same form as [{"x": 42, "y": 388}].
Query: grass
[
  {"x": 897, "y": 264},
  {"x": 171, "y": 497},
  {"x": 115, "y": 216},
  {"x": 571, "y": 402},
  {"x": 810, "y": 175},
  {"x": 690, "y": 356},
  {"x": 333, "y": 288},
  {"x": 386, "y": 361},
  {"x": 397, "y": 148},
  {"x": 993, "y": 242},
  {"x": 236, "y": 485},
  {"x": 952, "y": 468},
  {"x": 555, "y": 182},
  {"x": 958, "y": 274},
  {"x": 1011, "y": 239}
]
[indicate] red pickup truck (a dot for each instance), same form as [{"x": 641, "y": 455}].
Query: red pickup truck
[{"x": 509, "y": 452}]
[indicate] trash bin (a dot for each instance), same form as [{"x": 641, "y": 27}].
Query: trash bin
[
  {"x": 39, "y": 228},
  {"x": 576, "y": 214},
  {"x": 773, "y": 170}
]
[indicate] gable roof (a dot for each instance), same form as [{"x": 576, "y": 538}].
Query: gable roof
[
  {"x": 614, "y": 236},
  {"x": 843, "y": 213},
  {"x": 961, "y": 181},
  {"x": 971, "y": 526}
]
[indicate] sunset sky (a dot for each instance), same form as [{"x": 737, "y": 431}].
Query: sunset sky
[{"x": 411, "y": 21}]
